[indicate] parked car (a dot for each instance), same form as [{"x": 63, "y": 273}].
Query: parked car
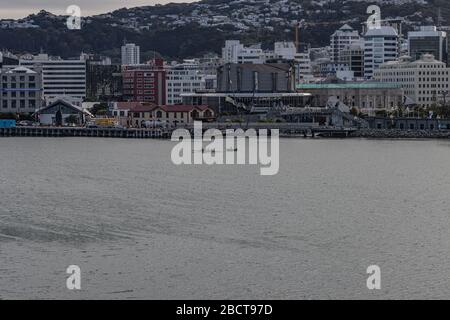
[{"x": 25, "y": 123}]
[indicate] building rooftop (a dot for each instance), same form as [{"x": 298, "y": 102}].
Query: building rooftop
[
  {"x": 346, "y": 27},
  {"x": 174, "y": 108},
  {"x": 21, "y": 70},
  {"x": 383, "y": 31},
  {"x": 258, "y": 95},
  {"x": 349, "y": 85}
]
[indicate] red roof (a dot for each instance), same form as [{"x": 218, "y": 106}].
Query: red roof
[
  {"x": 143, "y": 108},
  {"x": 175, "y": 108},
  {"x": 128, "y": 105},
  {"x": 182, "y": 108}
]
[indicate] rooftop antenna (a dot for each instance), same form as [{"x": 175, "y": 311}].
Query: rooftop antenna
[{"x": 439, "y": 18}]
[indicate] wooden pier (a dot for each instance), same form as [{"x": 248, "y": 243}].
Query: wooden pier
[{"x": 85, "y": 132}]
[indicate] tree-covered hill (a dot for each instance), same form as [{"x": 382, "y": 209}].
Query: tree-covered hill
[{"x": 187, "y": 30}]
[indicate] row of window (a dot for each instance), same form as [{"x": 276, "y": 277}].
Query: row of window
[
  {"x": 21, "y": 78},
  {"x": 13, "y": 104},
  {"x": 21, "y": 94},
  {"x": 186, "y": 84}
]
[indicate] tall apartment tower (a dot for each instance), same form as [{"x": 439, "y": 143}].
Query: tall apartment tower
[
  {"x": 341, "y": 39},
  {"x": 428, "y": 40},
  {"x": 131, "y": 54},
  {"x": 380, "y": 46}
]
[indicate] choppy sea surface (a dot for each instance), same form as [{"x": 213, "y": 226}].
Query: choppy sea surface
[{"x": 140, "y": 227}]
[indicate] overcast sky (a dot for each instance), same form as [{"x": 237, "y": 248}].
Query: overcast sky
[{"x": 22, "y": 8}]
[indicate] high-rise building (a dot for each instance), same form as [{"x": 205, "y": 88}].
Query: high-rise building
[
  {"x": 21, "y": 90},
  {"x": 341, "y": 39},
  {"x": 64, "y": 79},
  {"x": 235, "y": 52},
  {"x": 287, "y": 51},
  {"x": 145, "y": 83},
  {"x": 185, "y": 77},
  {"x": 428, "y": 40},
  {"x": 131, "y": 54},
  {"x": 380, "y": 46},
  {"x": 353, "y": 57},
  {"x": 425, "y": 81}
]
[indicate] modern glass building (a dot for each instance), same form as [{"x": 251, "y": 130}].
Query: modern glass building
[{"x": 428, "y": 41}]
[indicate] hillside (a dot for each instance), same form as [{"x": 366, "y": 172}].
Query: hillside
[{"x": 187, "y": 30}]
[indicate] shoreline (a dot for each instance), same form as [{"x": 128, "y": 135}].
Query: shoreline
[
  {"x": 400, "y": 134},
  {"x": 386, "y": 134}
]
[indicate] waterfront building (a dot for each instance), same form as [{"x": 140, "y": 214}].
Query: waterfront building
[
  {"x": 181, "y": 78},
  {"x": 380, "y": 46},
  {"x": 139, "y": 115},
  {"x": 238, "y": 103},
  {"x": 428, "y": 40},
  {"x": 425, "y": 81},
  {"x": 366, "y": 96},
  {"x": 21, "y": 90},
  {"x": 61, "y": 78},
  {"x": 341, "y": 39},
  {"x": 235, "y": 52},
  {"x": 62, "y": 112},
  {"x": 145, "y": 82},
  {"x": 131, "y": 54},
  {"x": 269, "y": 77}
]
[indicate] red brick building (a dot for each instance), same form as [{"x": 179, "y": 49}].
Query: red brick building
[{"x": 145, "y": 83}]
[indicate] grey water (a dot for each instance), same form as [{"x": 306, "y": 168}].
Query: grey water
[{"x": 140, "y": 227}]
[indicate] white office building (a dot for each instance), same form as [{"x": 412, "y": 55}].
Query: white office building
[
  {"x": 21, "y": 90},
  {"x": 288, "y": 51},
  {"x": 380, "y": 46},
  {"x": 235, "y": 52},
  {"x": 185, "y": 77},
  {"x": 342, "y": 39},
  {"x": 131, "y": 54},
  {"x": 61, "y": 79},
  {"x": 425, "y": 81}
]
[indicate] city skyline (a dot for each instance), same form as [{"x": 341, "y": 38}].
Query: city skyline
[{"x": 23, "y": 8}]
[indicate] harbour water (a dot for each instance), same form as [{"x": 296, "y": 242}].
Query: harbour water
[{"x": 140, "y": 227}]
